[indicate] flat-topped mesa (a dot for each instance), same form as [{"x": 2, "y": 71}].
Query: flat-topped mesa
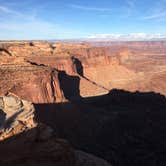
[
  {"x": 31, "y": 67},
  {"x": 89, "y": 57},
  {"x": 29, "y": 49},
  {"x": 57, "y": 55},
  {"x": 38, "y": 84},
  {"x": 64, "y": 47}
]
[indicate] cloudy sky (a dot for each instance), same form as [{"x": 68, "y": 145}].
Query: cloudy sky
[{"x": 64, "y": 19}]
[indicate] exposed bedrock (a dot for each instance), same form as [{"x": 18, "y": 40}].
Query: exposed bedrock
[
  {"x": 16, "y": 116},
  {"x": 24, "y": 141},
  {"x": 31, "y": 70},
  {"x": 34, "y": 83}
]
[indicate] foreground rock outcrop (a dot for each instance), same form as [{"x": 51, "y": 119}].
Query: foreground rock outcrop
[
  {"x": 29, "y": 149},
  {"x": 23, "y": 141},
  {"x": 16, "y": 116}
]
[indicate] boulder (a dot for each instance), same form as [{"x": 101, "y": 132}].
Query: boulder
[{"x": 16, "y": 116}]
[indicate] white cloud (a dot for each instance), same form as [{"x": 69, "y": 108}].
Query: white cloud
[
  {"x": 159, "y": 15},
  {"x": 9, "y": 13},
  {"x": 90, "y": 8},
  {"x": 35, "y": 30},
  {"x": 5, "y": 9},
  {"x": 133, "y": 36},
  {"x": 156, "y": 12},
  {"x": 16, "y": 25},
  {"x": 130, "y": 3}
]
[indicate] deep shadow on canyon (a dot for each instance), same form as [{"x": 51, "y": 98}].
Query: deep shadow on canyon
[{"x": 122, "y": 127}]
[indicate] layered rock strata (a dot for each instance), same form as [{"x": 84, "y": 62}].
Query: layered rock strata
[{"x": 31, "y": 70}]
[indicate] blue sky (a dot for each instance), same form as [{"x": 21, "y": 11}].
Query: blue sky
[{"x": 63, "y": 19}]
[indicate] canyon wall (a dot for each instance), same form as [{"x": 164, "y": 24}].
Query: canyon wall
[{"x": 44, "y": 72}]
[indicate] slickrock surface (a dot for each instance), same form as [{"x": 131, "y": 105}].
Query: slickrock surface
[
  {"x": 26, "y": 149},
  {"x": 16, "y": 116},
  {"x": 24, "y": 142},
  {"x": 29, "y": 150},
  {"x": 85, "y": 159}
]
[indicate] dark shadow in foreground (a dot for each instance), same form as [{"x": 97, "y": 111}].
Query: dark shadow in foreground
[
  {"x": 26, "y": 149},
  {"x": 127, "y": 129}
]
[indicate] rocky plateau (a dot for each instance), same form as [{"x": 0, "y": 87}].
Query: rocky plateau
[
  {"x": 34, "y": 69},
  {"x": 87, "y": 103}
]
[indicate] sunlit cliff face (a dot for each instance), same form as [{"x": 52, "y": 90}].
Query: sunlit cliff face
[{"x": 33, "y": 71}]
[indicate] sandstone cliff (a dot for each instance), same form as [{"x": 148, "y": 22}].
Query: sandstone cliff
[
  {"x": 28, "y": 81},
  {"x": 33, "y": 68}
]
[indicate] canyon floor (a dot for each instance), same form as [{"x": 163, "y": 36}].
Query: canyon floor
[{"x": 105, "y": 102}]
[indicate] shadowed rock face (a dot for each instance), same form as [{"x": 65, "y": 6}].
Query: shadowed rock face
[
  {"x": 121, "y": 127},
  {"x": 28, "y": 149},
  {"x": 23, "y": 141}
]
